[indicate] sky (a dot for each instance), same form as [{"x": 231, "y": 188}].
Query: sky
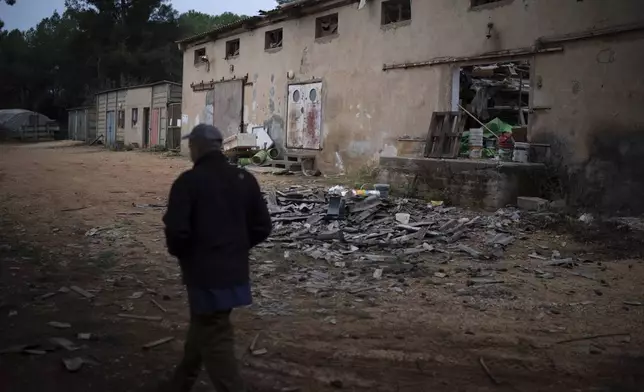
[{"x": 27, "y": 13}]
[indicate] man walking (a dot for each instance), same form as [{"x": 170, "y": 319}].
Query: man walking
[{"x": 216, "y": 214}]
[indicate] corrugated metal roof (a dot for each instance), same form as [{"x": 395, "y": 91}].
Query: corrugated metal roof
[
  {"x": 264, "y": 15},
  {"x": 138, "y": 86}
]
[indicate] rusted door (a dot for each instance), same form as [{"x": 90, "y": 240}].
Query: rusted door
[
  {"x": 304, "y": 129},
  {"x": 228, "y": 102},
  {"x": 154, "y": 127}
]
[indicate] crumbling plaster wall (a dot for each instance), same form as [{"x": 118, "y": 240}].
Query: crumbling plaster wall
[
  {"x": 595, "y": 124},
  {"x": 365, "y": 109}
]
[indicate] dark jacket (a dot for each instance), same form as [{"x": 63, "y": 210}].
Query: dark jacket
[{"x": 216, "y": 214}]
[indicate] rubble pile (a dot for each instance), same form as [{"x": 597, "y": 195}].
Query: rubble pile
[{"x": 371, "y": 228}]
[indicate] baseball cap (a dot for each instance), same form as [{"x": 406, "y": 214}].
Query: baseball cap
[{"x": 205, "y": 132}]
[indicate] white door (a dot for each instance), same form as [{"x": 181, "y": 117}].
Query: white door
[{"x": 304, "y": 128}]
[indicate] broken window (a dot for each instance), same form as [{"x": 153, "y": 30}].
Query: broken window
[
  {"x": 394, "y": 11},
  {"x": 232, "y": 48},
  {"x": 121, "y": 119},
  {"x": 200, "y": 56},
  {"x": 274, "y": 39},
  {"x": 326, "y": 26},
  {"x": 135, "y": 116},
  {"x": 476, "y": 3}
]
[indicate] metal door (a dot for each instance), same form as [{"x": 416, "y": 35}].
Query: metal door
[
  {"x": 304, "y": 128},
  {"x": 154, "y": 127},
  {"x": 110, "y": 137},
  {"x": 228, "y": 103},
  {"x": 81, "y": 126}
]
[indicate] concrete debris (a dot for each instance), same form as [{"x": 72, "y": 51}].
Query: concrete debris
[
  {"x": 259, "y": 352},
  {"x": 586, "y": 218},
  {"x": 532, "y": 203},
  {"x": 73, "y": 364},
  {"x": 45, "y": 296},
  {"x": 59, "y": 325},
  {"x": 82, "y": 292},
  {"x": 64, "y": 343},
  {"x": 137, "y": 317},
  {"x": 403, "y": 218},
  {"x": 472, "y": 252},
  {"x": 136, "y": 295},
  {"x": 371, "y": 238},
  {"x": 569, "y": 263},
  {"x": 157, "y": 343}
]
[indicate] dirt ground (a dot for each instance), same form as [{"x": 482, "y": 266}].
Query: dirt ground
[{"x": 86, "y": 217}]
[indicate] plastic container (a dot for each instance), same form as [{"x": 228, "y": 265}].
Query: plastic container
[
  {"x": 273, "y": 153},
  {"x": 476, "y": 137},
  {"x": 383, "y": 189},
  {"x": 260, "y": 157},
  {"x": 521, "y": 152},
  {"x": 476, "y": 152},
  {"x": 505, "y": 154},
  {"x": 364, "y": 192}
]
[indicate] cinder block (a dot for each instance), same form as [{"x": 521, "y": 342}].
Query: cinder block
[{"x": 532, "y": 203}]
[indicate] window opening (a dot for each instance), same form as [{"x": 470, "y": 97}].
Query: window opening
[
  {"x": 274, "y": 39},
  {"x": 326, "y": 26},
  {"x": 121, "y": 118},
  {"x": 232, "y": 48},
  {"x": 394, "y": 11},
  {"x": 135, "y": 116},
  {"x": 200, "y": 55}
]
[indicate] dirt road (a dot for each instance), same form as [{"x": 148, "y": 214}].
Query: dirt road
[{"x": 86, "y": 217}]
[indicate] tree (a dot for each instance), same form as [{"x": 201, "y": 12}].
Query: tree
[{"x": 94, "y": 45}]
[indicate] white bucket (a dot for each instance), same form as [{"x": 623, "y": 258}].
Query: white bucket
[
  {"x": 521, "y": 152},
  {"x": 476, "y": 137}
]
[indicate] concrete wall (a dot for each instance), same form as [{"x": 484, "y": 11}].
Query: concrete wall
[
  {"x": 477, "y": 183},
  {"x": 365, "y": 109},
  {"x": 595, "y": 90}
]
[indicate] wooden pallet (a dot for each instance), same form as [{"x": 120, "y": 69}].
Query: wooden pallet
[
  {"x": 306, "y": 161},
  {"x": 444, "y": 136},
  {"x": 282, "y": 164}
]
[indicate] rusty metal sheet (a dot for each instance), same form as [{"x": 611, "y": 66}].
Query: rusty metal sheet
[
  {"x": 227, "y": 107},
  {"x": 154, "y": 128},
  {"x": 304, "y": 128}
]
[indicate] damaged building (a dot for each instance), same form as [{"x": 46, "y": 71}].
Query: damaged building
[{"x": 355, "y": 83}]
